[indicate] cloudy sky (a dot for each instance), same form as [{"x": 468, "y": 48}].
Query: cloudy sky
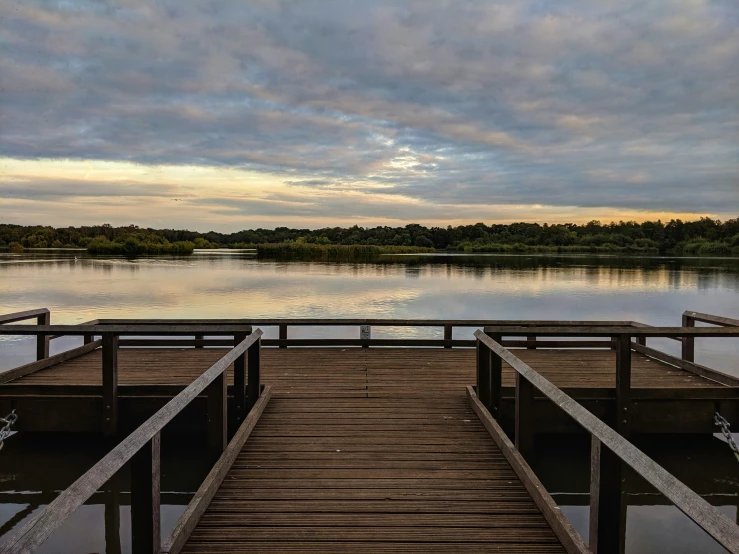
[{"x": 230, "y": 115}]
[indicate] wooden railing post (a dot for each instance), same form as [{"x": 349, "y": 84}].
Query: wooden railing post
[
  {"x": 145, "y": 498},
  {"x": 199, "y": 337},
  {"x": 496, "y": 378},
  {"x": 283, "y": 333},
  {"x": 524, "y": 425},
  {"x": 531, "y": 346},
  {"x": 217, "y": 414},
  {"x": 254, "y": 353},
  {"x": 240, "y": 409},
  {"x": 447, "y": 334},
  {"x": 110, "y": 384},
  {"x": 623, "y": 385},
  {"x": 483, "y": 374},
  {"x": 112, "y": 520},
  {"x": 607, "y": 503},
  {"x": 42, "y": 341},
  {"x": 688, "y": 350}
]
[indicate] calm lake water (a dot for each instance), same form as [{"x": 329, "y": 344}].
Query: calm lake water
[{"x": 217, "y": 284}]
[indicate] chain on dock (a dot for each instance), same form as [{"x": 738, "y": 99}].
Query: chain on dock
[
  {"x": 7, "y": 426},
  {"x": 726, "y": 432}
]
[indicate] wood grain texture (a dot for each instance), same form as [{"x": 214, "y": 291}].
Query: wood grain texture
[{"x": 371, "y": 474}]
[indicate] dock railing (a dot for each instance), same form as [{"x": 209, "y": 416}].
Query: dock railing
[
  {"x": 609, "y": 450},
  {"x": 142, "y": 449},
  {"x": 110, "y": 342}
]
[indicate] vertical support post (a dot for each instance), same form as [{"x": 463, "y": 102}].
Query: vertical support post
[
  {"x": 642, "y": 339},
  {"x": 145, "y": 498},
  {"x": 240, "y": 408},
  {"x": 199, "y": 337},
  {"x": 483, "y": 373},
  {"x": 283, "y": 333},
  {"x": 42, "y": 341},
  {"x": 110, "y": 384},
  {"x": 531, "y": 346},
  {"x": 447, "y": 334},
  {"x": 255, "y": 386},
  {"x": 607, "y": 503},
  {"x": 365, "y": 334},
  {"x": 623, "y": 385},
  {"x": 112, "y": 518},
  {"x": 524, "y": 416},
  {"x": 217, "y": 428},
  {"x": 496, "y": 377},
  {"x": 688, "y": 342},
  {"x": 87, "y": 339}
]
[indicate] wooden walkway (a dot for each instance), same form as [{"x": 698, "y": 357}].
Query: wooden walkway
[{"x": 401, "y": 474}]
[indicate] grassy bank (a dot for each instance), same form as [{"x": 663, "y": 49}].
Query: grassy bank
[
  {"x": 520, "y": 248},
  {"x": 332, "y": 252}
]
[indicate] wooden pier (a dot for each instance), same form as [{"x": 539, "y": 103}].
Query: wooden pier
[{"x": 381, "y": 445}]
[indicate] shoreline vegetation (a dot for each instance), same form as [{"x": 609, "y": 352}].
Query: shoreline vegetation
[{"x": 704, "y": 237}]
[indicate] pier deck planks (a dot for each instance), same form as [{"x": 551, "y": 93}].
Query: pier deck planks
[
  {"x": 367, "y": 475},
  {"x": 358, "y": 372}
]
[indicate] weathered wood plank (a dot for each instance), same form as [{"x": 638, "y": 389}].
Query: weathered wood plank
[
  {"x": 145, "y": 497},
  {"x": 692, "y": 367},
  {"x": 22, "y": 316}
]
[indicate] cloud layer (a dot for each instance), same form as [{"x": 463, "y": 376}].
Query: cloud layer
[{"x": 368, "y": 111}]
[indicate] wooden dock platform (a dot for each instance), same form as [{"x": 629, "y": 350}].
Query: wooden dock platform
[
  {"x": 345, "y": 445},
  {"x": 67, "y": 396}
]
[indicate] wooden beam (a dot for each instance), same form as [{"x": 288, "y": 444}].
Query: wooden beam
[
  {"x": 217, "y": 413},
  {"x": 692, "y": 367},
  {"x": 524, "y": 419},
  {"x": 112, "y": 521},
  {"x": 623, "y": 385},
  {"x": 145, "y": 498},
  {"x": 448, "y": 334},
  {"x": 283, "y": 334},
  {"x": 239, "y": 388},
  {"x": 22, "y": 316},
  {"x": 496, "y": 380},
  {"x": 199, "y": 338},
  {"x": 110, "y": 384},
  {"x": 607, "y": 501},
  {"x": 483, "y": 373},
  {"x": 712, "y": 319},
  {"x": 33, "y": 367},
  {"x": 42, "y": 341},
  {"x": 197, "y": 506},
  {"x": 688, "y": 349},
  {"x": 562, "y": 528},
  {"x": 254, "y": 385}
]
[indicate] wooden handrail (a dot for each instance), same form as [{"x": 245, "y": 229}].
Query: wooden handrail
[
  {"x": 122, "y": 330},
  {"x": 597, "y": 331},
  {"x": 713, "y": 522},
  {"x": 42, "y": 317},
  {"x": 354, "y": 322},
  {"x": 22, "y": 316},
  {"x": 688, "y": 320},
  {"x": 38, "y": 529},
  {"x": 712, "y": 319}
]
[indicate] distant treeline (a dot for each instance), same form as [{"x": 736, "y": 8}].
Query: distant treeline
[{"x": 702, "y": 237}]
